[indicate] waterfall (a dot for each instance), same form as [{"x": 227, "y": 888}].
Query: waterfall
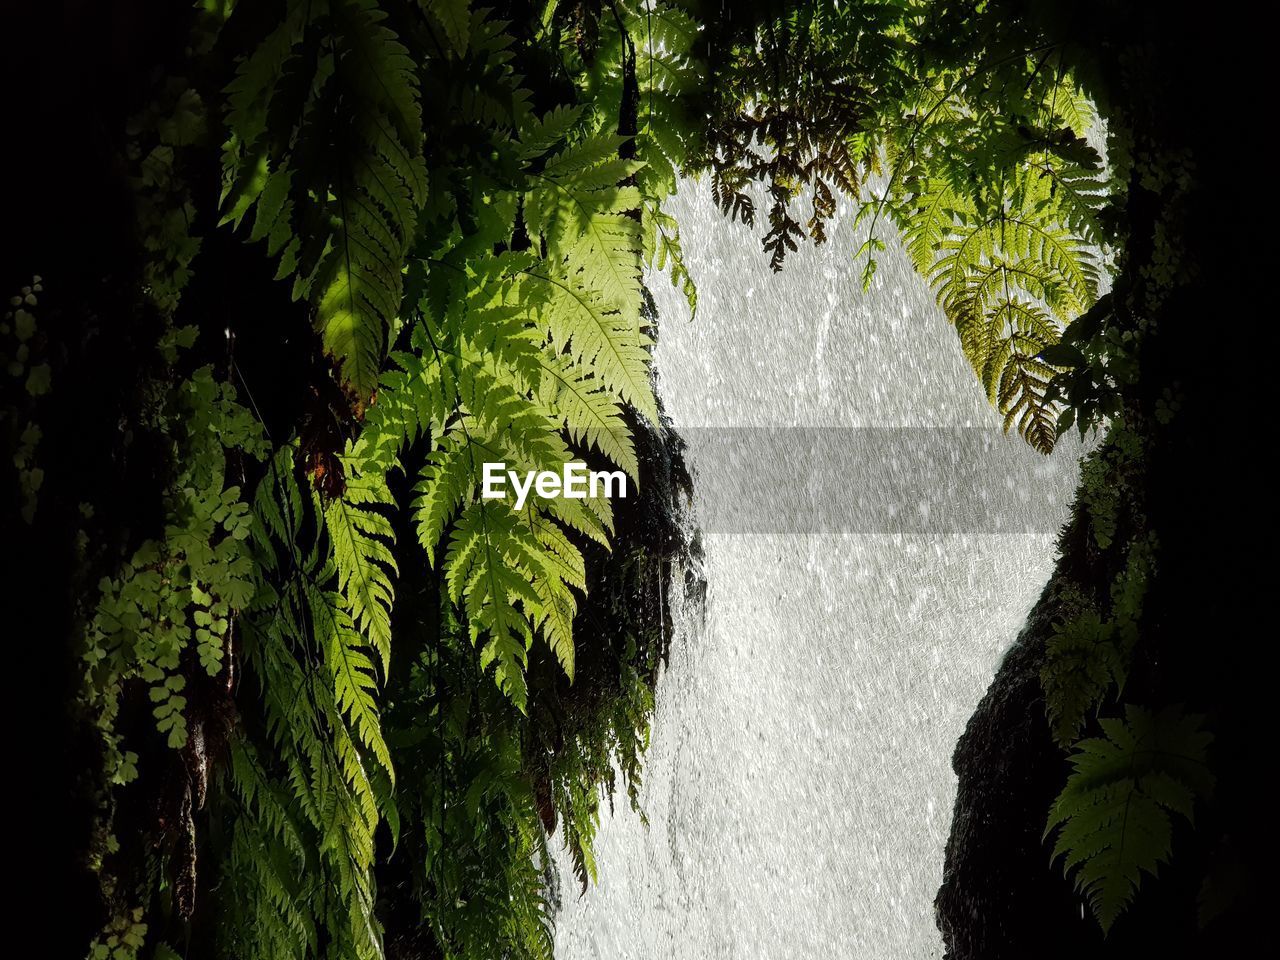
[{"x": 798, "y": 785}]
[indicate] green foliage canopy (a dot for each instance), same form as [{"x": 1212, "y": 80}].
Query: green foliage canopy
[{"x": 370, "y": 685}]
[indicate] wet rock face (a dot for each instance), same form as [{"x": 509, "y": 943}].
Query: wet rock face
[
  {"x": 626, "y": 613},
  {"x": 1002, "y": 895},
  {"x": 999, "y": 896}
]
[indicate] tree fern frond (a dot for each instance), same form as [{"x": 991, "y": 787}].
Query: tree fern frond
[
  {"x": 589, "y": 414},
  {"x": 538, "y": 136},
  {"x": 355, "y": 684},
  {"x": 585, "y": 219},
  {"x": 449, "y": 477},
  {"x": 554, "y": 615},
  {"x": 1009, "y": 283}
]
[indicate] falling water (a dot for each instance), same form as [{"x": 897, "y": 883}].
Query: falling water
[{"x": 798, "y": 786}]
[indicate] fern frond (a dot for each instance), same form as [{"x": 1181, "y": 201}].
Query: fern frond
[
  {"x": 586, "y": 220},
  {"x": 1009, "y": 282},
  {"x": 590, "y": 415},
  {"x": 341, "y": 229},
  {"x": 455, "y": 17},
  {"x": 318, "y": 799},
  {"x": 362, "y": 538},
  {"x": 663, "y": 251},
  {"x": 553, "y": 616},
  {"x": 538, "y": 136},
  {"x": 598, "y": 337},
  {"x": 1113, "y": 814},
  {"x": 448, "y": 480},
  {"x": 355, "y": 684},
  {"x": 1082, "y": 661},
  {"x": 484, "y": 577},
  {"x": 377, "y": 195}
]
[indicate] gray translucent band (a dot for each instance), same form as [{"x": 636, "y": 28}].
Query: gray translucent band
[{"x": 886, "y": 480}]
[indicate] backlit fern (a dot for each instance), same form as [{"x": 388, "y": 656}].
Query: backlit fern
[
  {"x": 1010, "y": 278},
  {"x": 349, "y": 706},
  {"x": 995, "y": 196},
  {"x": 470, "y": 266},
  {"x": 325, "y": 148}
]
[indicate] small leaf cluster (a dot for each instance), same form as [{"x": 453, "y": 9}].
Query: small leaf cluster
[{"x": 21, "y": 358}]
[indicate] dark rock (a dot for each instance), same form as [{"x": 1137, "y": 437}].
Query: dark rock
[{"x": 999, "y": 894}]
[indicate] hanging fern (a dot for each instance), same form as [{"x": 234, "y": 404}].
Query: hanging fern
[
  {"x": 518, "y": 337},
  {"x": 362, "y": 537},
  {"x": 528, "y": 354},
  {"x": 1002, "y": 218},
  {"x": 655, "y": 53},
  {"x": 793, "y": 117},
  {"x": 317, "y": 801},
  {"x": 1113, "y": 816},
  {"x": 996, "y": 197},
  {"x": 1010, "y": 279},
  {"x": 325, "y": 147},
  {"x": 462, "y": 202},
  {"x": 1088, "y": 657}
]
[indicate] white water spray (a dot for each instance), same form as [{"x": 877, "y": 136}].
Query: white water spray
[{"x": 798, "y": 785}]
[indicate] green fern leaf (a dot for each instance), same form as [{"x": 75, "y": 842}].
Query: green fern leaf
[
  {"x": 1113, "y": 814},
  {"x": 599, "y": 338},
  {"x": 455, "y": 17},
  {"x": 589, "y": 414},
  {"x": 362, "y": 538},
  {"x": 341, "y": 229},
  {"x": 1082, "y": 662},
  {"x": 483, "y": 577},
  {"x": 584, "y": 218},
  {"x": 447, "y": 483},
  {"x": 662, "y": 250}
]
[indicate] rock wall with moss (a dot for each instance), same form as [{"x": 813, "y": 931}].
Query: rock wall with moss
[{"x": 1156, "y": 599}]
